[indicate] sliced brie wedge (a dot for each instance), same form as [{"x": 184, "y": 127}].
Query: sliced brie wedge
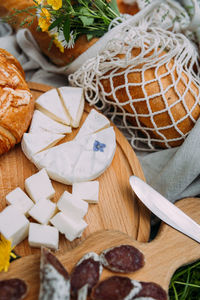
[
  {"x": 73, "y": 101},
  {"x": 50, "y": 104},
  {"x": 40, "y": 122},
  {"x": 33, "y": 143},
  {"x": 94, "y": 122}
]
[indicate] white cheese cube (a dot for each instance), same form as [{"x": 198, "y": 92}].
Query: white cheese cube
[
  {"x": 71, "y": 228},
  {"x": 88, "y": 190},
  {"x": 20, "y": 200},
  {"x": 72, "y": 206},
  {"x": 43, "y": 210},
  {"x": 39, "y": 186},
  {"x": 13, "y": 225},
  {"x": 43, "y": 235}
]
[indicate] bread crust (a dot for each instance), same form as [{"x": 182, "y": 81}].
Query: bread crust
[
  {"x": 130, "y": 9},
  {"x": 6, "y": 56},
  {"x": 16, "y": 102},
  {"x": 162, "y": 118}
]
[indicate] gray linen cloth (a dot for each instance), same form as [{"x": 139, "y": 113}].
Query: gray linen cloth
[{"x": 175, "y": 173}]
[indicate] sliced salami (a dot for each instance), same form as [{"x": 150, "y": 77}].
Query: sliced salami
[
  {"x": 124, "y": 259},
  {"x": 13, "y": 289},
  {"x": 116, "y": 288},
  {"x": 86, "y": 272},
  {"x": 54, "y": 278},
  {"x": 151, "y": 290}
]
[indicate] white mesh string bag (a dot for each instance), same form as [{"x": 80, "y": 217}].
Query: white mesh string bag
[{"x": 146, "y": 77}]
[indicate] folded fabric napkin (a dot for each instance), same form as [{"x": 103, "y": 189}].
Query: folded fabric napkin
[{"x": 175, "y": 173}]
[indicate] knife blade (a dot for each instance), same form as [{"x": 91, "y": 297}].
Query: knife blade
[{"x": 164, "y": 209}]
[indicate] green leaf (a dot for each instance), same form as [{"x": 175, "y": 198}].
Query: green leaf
[
  {"x": 84, "y": 18},
  {"x": 55, "y": 23},
  {"x": 100, "y": 4},
  {"x": 113, "y": 5},
  {"x": 89, "y": 37},
  {"x": 66, "y": 28}
]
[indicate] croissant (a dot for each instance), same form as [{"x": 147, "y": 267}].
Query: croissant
[
  {"x": 42, "y": 38},
  {"x": 16, "y": 102}
]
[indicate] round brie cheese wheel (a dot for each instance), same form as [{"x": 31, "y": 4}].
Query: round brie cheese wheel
[
  {"x": 79, "y": 160},
  {"x": 82, "y": 159}
]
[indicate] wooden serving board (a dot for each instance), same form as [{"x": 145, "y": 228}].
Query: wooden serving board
[
  {"x": 168, "y": 251},
  {"x": 118, "y": 208}
]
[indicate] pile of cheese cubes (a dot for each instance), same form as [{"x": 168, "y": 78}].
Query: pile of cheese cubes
[{"x": 65, "y": 216}]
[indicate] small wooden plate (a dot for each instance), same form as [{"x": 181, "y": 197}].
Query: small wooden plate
[
  {"x": 168, "y": 251},
  {"x": 118, "y": 209}
]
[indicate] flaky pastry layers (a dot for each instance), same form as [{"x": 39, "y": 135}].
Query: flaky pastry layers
[{"x": 16, "y": 102}]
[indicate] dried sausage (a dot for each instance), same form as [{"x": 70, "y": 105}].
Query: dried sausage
[
  {"x": 13, "y": 289},
  {"x": 151, "y": 290},
  {"x": 124, "y": 259},
  {"x": 54, "y": 278},
  {"x": 87, "y": 271},
  {"x": 116, "y": 288}
]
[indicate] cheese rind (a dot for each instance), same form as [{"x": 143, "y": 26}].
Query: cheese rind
[
  {"x": 88, "y": 191},
  {"x": 71, "y": 228},
  {"x": 73, "y": 101},
  {"x": 33, "y": 143},
  {"x": 59, "y": 161},
  {"x": 72, "y": 206},
  {"x": 41, "y": 122},
  {"x": 39, "y": 186},
  {"x": 20, "y": 200},
  {"x": 43, "y": 210},
  {"x": 94, "y": 122},
  {"x": 80, "y": 160},
  {"x": 43, "y": 235},
  {"x": 50, "y": 104},
  {"x": 13, "y": 225}
]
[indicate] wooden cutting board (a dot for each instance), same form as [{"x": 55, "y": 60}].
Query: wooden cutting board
[
  {"x": 170, "y": 250},
  {"x": 118, "y": 208}
]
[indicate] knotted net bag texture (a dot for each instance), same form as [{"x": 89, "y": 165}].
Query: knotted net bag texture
[{"x": 146, "y": 78}]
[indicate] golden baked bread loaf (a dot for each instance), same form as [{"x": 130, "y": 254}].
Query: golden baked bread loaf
[
  {"x": 42, "y": 38},
  {"x": 130, "y": 9},
  {"x": 16, "y": 102},
  {"x": 161, "y": 118}
]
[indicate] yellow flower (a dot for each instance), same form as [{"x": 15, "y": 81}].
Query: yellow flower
[
  {"x": 59, "y": 45},
  {"x": 44, "y": 20},
  {"x": 38, "y": 1},
  {"x": 56, "y": 41},
  {"x": 5, "y": 254},
  {"x": 56, "y": 4}
]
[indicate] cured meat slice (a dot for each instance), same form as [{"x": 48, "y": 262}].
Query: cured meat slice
[
  {"x": 86, "y": 272},
  {"x": 13, "y": 289},
  {"x": 116, "y": 288},
  {"x": 124, "y": 259},
  {"x": 151, "y": 290},
  {"x": 54, "y": 278}
]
